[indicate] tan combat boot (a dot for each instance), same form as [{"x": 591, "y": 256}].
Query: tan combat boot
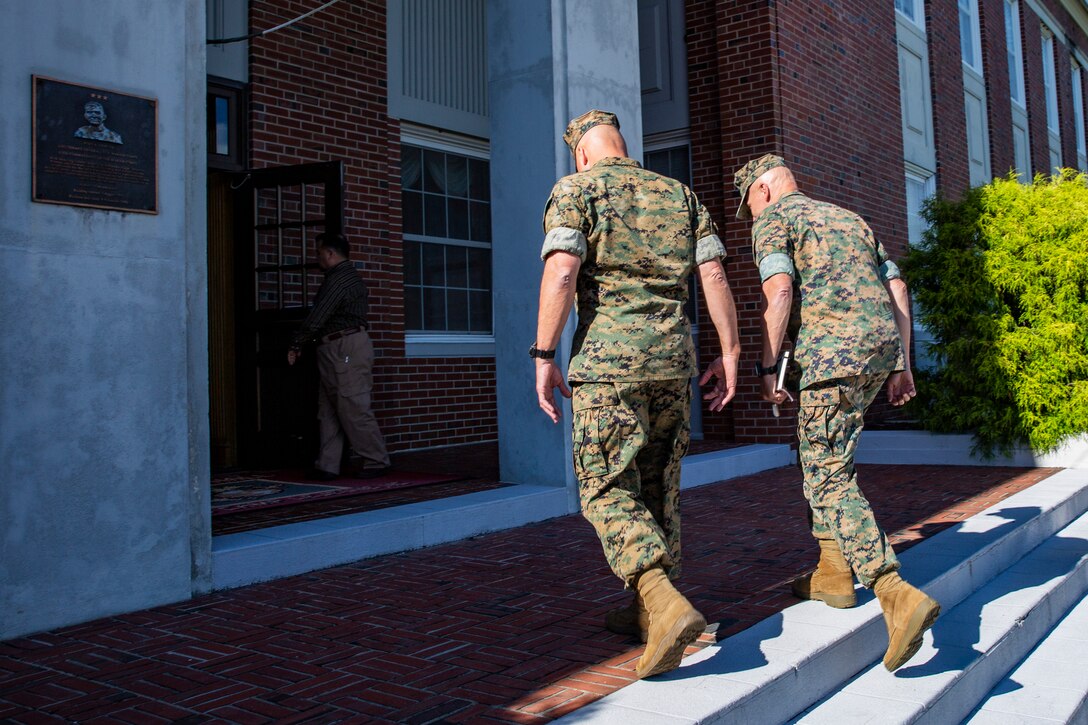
[
  {"x": 632, "y": 619},
  {"x": 908, "y": 612},
  {"x": 674, "y": 623},
  {"x": 832, "y": 583}
]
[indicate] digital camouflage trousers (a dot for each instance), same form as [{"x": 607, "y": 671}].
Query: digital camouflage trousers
[
  {"x": 829, "y": 424},
  {"x": 628, "y": 441}
]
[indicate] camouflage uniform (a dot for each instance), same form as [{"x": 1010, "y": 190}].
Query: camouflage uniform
[
  {"x": 639, "y": 235},
  {"x": 847, "y": 344}
]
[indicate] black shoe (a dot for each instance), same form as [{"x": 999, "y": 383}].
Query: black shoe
[
  {"x": 316, "y": 474},
  {"x": 367, "y": 473}
]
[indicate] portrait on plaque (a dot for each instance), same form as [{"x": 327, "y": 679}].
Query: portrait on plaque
[{"x": 94, "y": 147}]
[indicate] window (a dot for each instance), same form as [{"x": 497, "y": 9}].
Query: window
[
  {"x": 1021, "y": 146},
  {"x": 1050, "y": 85},
  {"x": 1050, "y": 88},
  {"x": 974, "y": 95},
  {"x": 1013, "y": 51},
  {"x": 673, "y": 162},
  {"x": 920, "y": 186},
  {"x": 226, "y": 120},
  {"x": 446, "y": 202},
  {"x": 912, "y": 11},
  {"x": 970, "y": 46},
  {"x": 1078, "y": 115}
]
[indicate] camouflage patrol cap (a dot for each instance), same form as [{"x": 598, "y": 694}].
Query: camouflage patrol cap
[
  {"x": 749, "y": 173},
  {"x": 578, "y": 127}
]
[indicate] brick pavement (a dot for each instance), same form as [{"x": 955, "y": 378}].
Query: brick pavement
[{"x": 503, "y": 627}]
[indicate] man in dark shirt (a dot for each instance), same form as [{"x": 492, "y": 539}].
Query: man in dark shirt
[{"x": 345, "y": 358}]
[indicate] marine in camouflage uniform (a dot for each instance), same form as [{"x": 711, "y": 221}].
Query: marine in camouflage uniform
[
  {"x": 850, "y": 327},
  {"x": 630, "y": 238},
  {"x": 847, "y": 345}
]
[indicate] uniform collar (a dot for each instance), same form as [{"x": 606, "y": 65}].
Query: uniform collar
[{"x": 617, "y": 161}]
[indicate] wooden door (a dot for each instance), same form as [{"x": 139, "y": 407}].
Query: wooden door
[{"x": 280, "y": 211}]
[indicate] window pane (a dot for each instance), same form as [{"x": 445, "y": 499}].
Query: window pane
[
  {"x": 657, "y": 161},
  {"x": 412, "y": 209},
  {"x": 434, "y": 215},
  {"x": 479, "y": 311},
  {"x": 479, "y": 268},
  {"x": 457, "y": 210},
  {"x": 434, "y": 171},
  {"x": 479, "y": 186},
  {"x": 268, "y": 290},
  {"x": 456, "y": 266},
  {"x": 222, "y": 126},
  {"x": 413, "y": 308},
  {"x": 480, "y": 225},
  {"x": 456, "y": 175},
  {"x": 413, "y": 270},
  {"x": 906, "y": 7},
  {"x": 679, "y": 164},
  {"x": 434, "y": 309},
  {"x": 967, "y": 35},
  {"x": 457, "y": 310},
  {"x": 411, "y": 168},
  {"x": 434, "y": 265}
]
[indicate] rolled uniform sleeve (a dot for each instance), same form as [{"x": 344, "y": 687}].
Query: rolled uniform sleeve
[
  {"x": 708, "y": 245},
  {"x": 566, "y": 221},
  {"x": 888, "y": 269},
  {"x": 771, "y": 246}
]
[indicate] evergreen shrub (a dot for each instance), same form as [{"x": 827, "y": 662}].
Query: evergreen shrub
[{"x": 1001, "y": 282}]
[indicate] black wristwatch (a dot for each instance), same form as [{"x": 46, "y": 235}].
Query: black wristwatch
[
  {"x": 762, "y": 371},
  {"x": 534, "y": 351}
]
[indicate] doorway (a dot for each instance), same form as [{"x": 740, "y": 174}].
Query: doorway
[{"x": 262, "y": 279}]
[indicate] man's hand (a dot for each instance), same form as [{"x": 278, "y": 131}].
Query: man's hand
[
  {"x": 725, "y": 370},
  {"x": 292, "y": 355},
  {"x": 547, "y": 378},
  {"x": 901, "y": 387},
  {"x": 767, "y": 391}
]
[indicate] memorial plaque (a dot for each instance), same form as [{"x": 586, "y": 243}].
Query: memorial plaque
[{"x": 94, "y": 147}]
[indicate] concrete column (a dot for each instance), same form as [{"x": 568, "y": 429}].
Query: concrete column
[
  {"x": 103, "y": 404},
  {"x": 588, "y": 58}
]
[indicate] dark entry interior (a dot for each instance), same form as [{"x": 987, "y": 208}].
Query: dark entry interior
[{"x": 263, "y": 276}]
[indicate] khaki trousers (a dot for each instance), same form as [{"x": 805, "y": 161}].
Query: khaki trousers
[{"x": 343, "y": 403}]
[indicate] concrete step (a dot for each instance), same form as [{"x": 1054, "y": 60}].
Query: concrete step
[
  {"x": 1050, "y": 685},
  {"x": 973, "y": 645},
  {"x": 778, "y": 668}
]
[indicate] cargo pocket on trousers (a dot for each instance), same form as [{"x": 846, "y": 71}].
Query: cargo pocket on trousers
[{"x": 595, "y": 407}]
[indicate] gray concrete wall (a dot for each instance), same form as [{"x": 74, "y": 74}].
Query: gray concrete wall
[
  {"x": 577, "y": 56},
  {"x": 103, "y": 376}
]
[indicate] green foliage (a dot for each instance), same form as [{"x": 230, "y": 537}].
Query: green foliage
[{"x": 1001, "y": 281}]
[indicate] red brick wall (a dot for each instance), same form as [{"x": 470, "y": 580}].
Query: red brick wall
[
  {"x": 318, "y": 93},
  {"x": 996, "y": 71},
  {"x": 819, "y": 85}
]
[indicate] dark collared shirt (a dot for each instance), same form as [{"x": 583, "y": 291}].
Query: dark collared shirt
[{"x": 340, "y": 304}]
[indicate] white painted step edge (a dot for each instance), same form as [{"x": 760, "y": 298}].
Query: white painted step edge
[
  {"x": 973, "y": 645},
  {"x": 1050, "y": 684},
  {"x": 774, "y": 670}
]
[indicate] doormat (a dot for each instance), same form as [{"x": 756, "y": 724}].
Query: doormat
[{"x": 260, "y": 490}]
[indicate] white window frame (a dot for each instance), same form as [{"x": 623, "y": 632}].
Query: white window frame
[
  {"x": 1050, "y": 89},
  {"x": 1078, "y": 113},
  {"x": 976, "y": 34},
  {"x": 917, "y": 16},
  {"x": 1016, "y": 50},
  {"x": 422, "y": 344},
  {"x": 920, "y": 335},
  {"x": 1050, "y": 82}
]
